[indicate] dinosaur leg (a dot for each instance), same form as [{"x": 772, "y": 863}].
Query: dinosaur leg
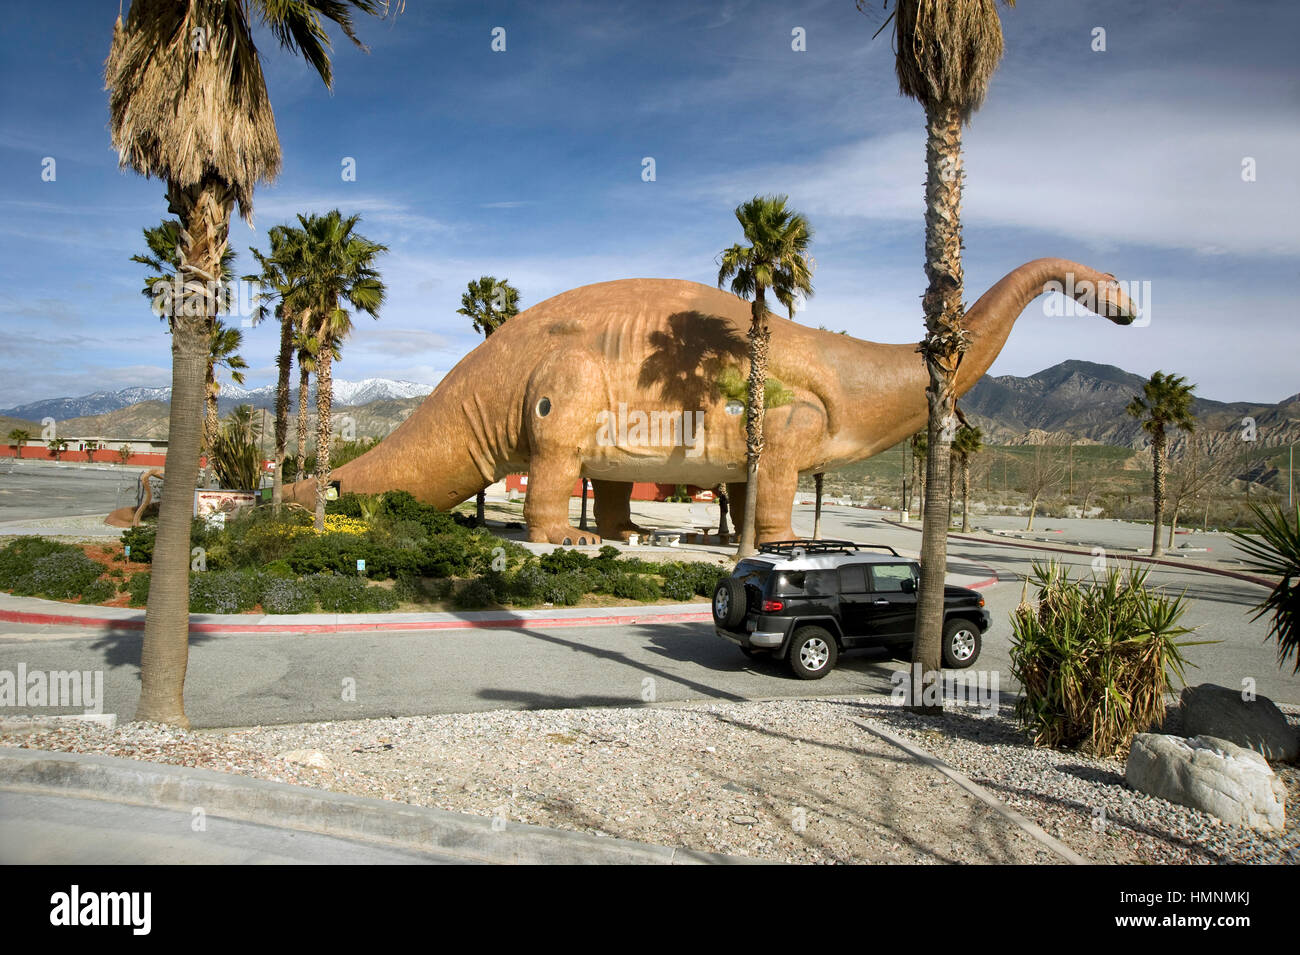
[
  {"x": 613, "y": 509},
  {"x": 546, "y": 506}
]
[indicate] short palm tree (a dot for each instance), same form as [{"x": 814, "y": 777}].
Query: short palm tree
[
  {"x": 57, "y": 446},
  {"x": 337, "y": 269},
  {"x": 188, "y": 105},
  {"x": 946, "y": 53},
  {"x": 968, "y": 443},
  {"x": 18, "y": 437},
  {"x": 1165, "y": 402},
  {"x": 488, "y": 302},
  {"x": 774, "y": 258},
  {"x": 225, "y": 344}
]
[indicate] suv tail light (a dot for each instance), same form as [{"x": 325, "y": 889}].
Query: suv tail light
[{"x": 771, "y": 606}]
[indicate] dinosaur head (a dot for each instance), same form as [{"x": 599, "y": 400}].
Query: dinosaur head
[{"x": 1102, "y": 293}]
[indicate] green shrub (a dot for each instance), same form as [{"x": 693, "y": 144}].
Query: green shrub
[
  {"x": 342, "y": 594},
  {"x": 61, "y": 575},
  {"x": 141, "y": 541},
  {"x": 478, "y": 593},
  {"x": 607, "y": 552},
  {"x": 224, "y": 591},
  {"x": 98, "y": 592},
  {"x": 287, "y": 595},
  {"x": 1094, "y": 659},
  {"x": 528, "y": 584},
  {"x": 407, "y": 589},
  {"x": 279, "y": 568},
  {"x": 635, "y": 587},
  {"x": 18, "y": 556},
  {"x": 561, "y": 560},
  {"x": 348, "y": 504},
  {"x": 678, "y": 582},
  {"x": 138, "y": 588}
]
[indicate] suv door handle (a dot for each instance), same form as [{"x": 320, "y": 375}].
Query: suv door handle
[{"x": 882, "y": 603}]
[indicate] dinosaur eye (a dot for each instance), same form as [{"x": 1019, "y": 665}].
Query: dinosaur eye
[
  {"x": 543, "y": 407},
  {"x": 734, "y": 407}
]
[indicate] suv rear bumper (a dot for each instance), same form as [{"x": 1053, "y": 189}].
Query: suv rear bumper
[{"x": 769, "y": 633}]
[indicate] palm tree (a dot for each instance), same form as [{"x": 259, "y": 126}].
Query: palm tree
[
  {"x": 224, "y": 353},
  {"x": 337, "y": 267},
  {"x": 489, "y": 302},
  {"x": 163, "y": 289},
  {"x": 968, "y": 442},
  {"x": 1166, "y": 401},
  {"x": 18, "y": 437},
  {"x": 57, "y": 446},
  {"x": 279, "y": 272},
  {"x": 947, "y": 51},
  {"x": 188, "y": 105},
  {"x": 776, "y": 259}
]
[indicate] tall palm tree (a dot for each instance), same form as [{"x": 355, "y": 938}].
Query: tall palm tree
[
  {"x": 225, "y": 344},
  {"x": 278, "y": 275},
  {"x": 489, "y": 302},
  {"x": 337, "y": 269},
  {"x": 968, "y": 442},
  {"x": 1165, "y": 402},
  {"x": 776, "y": 259},
  {"x": 947, "y": 51},
  {"x": 188, "y": 105}
]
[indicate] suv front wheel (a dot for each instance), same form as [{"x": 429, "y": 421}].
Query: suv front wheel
[
  {"x": 812, "y": 653},
  {"x": 961, "y": 644}
]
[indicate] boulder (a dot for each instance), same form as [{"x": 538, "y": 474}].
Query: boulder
[
  {"x": 1210, "y": 710},
  {"x": 1216, "y": 776}
]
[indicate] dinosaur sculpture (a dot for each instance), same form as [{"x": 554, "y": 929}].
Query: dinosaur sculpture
[{"x": 618, "y": 382}]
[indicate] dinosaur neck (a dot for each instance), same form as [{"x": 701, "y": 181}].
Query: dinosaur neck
[{"x": 990, "y": 319}]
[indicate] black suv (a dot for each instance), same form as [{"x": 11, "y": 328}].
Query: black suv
[{"x": 805, "y": 601}]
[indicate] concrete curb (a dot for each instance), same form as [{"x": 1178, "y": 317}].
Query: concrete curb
[
  {"x": 472, "y": 838},
  {"x": 1261, "y": 581},
  {"x": 1031, "y": 829}
]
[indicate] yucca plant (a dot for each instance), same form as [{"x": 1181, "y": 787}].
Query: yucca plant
[
  {"x": 1274, "y": 549},
  {"x": 1095, "y": 658},
  {"x": 235, "y": 458}
]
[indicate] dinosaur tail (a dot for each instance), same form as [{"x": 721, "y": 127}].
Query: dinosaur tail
[{"x": 455, "y": 444}]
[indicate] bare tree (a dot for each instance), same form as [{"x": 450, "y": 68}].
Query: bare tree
[
  {"x": 1198, "y": 468},
  {"x": 1042, "y": 472}
]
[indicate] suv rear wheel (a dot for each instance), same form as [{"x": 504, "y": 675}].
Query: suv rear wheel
[
  {"x": 730, "y": 603},
  {"x": 961, "y": 644},
  {"x": 812, "y": 653}
]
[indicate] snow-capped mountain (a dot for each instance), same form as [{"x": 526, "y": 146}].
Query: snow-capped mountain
[{"x": 101, "y": 402}]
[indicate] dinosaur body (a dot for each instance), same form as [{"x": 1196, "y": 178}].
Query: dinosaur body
[{"x": 618, "y": 382}]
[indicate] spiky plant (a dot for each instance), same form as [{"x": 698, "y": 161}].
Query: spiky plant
[{"x": 1274, "y": 549}]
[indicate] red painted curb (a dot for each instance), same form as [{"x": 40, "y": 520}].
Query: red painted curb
[
  {"x": 1086, "y": 553},
  {"x": 100, "y": 623}
]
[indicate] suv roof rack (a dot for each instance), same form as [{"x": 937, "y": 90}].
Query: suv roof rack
[{"x": 787, "y": 548}]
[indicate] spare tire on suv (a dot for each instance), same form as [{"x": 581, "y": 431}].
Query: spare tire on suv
[{"x": 730, "y": 603}]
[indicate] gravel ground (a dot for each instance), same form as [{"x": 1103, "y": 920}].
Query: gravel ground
[{"x": 790, "y": 780}]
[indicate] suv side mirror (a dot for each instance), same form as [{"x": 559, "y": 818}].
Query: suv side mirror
[{"x": 908, "y": 586}]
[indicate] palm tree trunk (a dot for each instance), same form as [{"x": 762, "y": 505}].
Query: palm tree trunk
[
  {"x": 945, "y": 340},
  {"x": 1173, "y": 523},
  {"x": 965, "y": 495},
  {"x": 304, "y": 381},
  {"x": 760, "y": 337},
  {"x": 1157, "y": 489},
  {"x": 817, "y": 515},
  {"x": 210, "y": 410},
  {"x": 324, "y": 397},
  {"x": 204, "y": 210},
  {"x": 284, "y": 365}
]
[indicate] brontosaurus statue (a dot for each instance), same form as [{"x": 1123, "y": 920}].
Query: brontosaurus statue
[{"x": 619, "y": 382}]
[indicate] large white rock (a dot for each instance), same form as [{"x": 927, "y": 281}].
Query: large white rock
[
  {"x": 313, "y": 758},
  {"x": 1210, "y": 710},
  {"x": 1228, "y": 781}
]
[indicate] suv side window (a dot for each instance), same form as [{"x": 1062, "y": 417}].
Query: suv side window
[
  {"x": 888, "y": 578},
  {"x": 813, "y": 583},
  {"x": 853, "y": 579}
]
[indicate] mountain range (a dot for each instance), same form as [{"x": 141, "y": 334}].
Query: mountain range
[
  {"x": 102, "y": 402},
  {"x": 1074, "y": 401}
]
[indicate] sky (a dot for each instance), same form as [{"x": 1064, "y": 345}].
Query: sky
[{"x": 1168, "y": 158}]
